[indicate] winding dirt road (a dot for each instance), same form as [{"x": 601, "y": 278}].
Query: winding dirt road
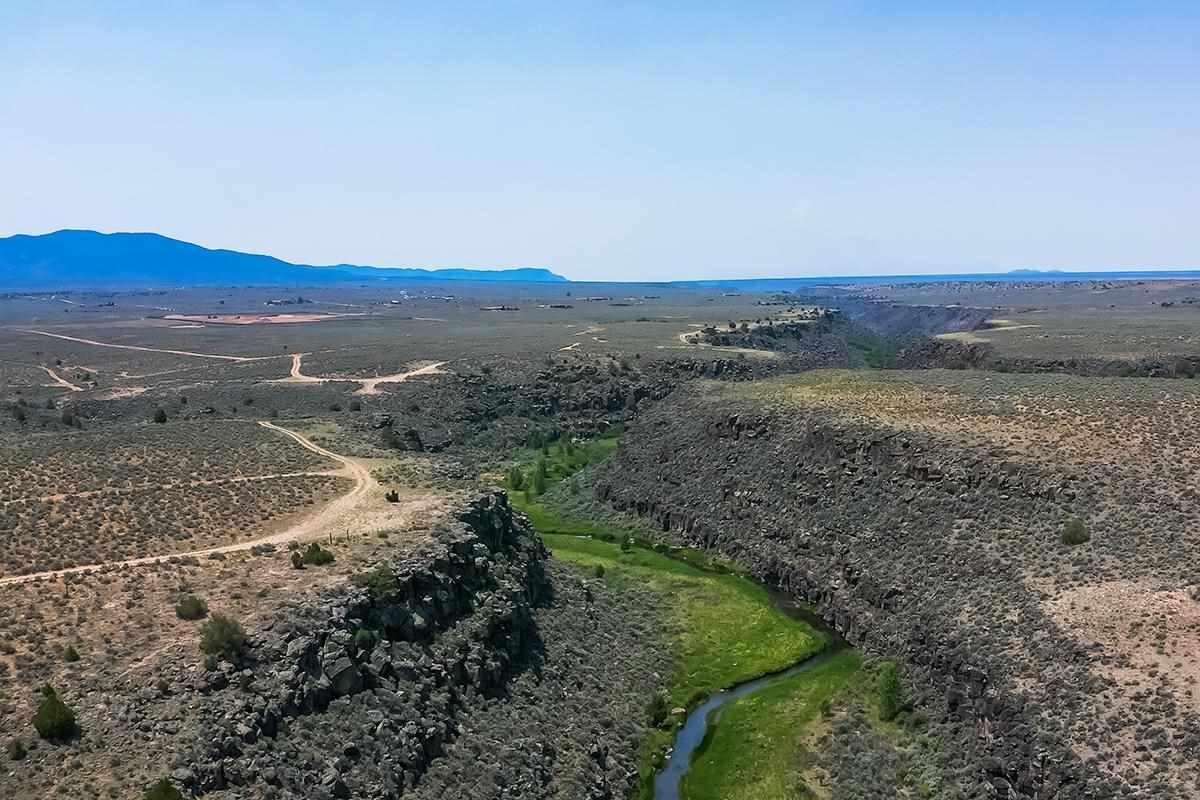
[{"x": 342, "y": 513}]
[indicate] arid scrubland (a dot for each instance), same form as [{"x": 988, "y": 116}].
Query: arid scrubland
[{"x": 1020, "y": 544}]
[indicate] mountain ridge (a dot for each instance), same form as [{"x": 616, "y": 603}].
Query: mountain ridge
[{"x": 75, "y": 258}]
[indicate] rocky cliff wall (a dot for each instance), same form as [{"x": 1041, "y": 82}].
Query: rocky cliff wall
[
  {"x": 424, "y": 636},
  {"x": 944, "y": 354},
  {"x": 473, "y": 667},
  {"x": 901, "y": 542}
]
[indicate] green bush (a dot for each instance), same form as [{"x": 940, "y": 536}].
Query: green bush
[
  {"x": 189, "y": 606},
  {"x": 1075, "y": 533},
  {"x": 890, "y": 691},
  {"x": 317, "y": 556},
  {"x": 222, "y": 637},
  {"x": 53, "y": 720},
  {"x": 160, "y": 416},
  {"x": 657, "y": 709},
  {"x": 16, "y": 750},
  {"x": 379, "y": 582},
  {"x": 70, "y": 655},
  {"x": 163, "y": 790}
]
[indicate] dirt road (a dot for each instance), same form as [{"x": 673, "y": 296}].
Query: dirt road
[
  {"x": 351, "y": 511},
  {"x": 61, "y": 381},
  {"x": 369, "y": 385},
  {"x": 147, "y": 349}
]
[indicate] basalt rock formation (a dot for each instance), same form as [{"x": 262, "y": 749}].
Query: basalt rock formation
[
  {"x": 905, "y": 545},
  {"x": 471, "y": 665},
  {"x": 946, "y": 354}
]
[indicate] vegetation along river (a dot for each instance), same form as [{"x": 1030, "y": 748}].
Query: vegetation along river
[{"x": 752, "y": 667}]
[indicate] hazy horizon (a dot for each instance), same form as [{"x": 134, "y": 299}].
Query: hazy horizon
[{"x": 615, "y": 142}]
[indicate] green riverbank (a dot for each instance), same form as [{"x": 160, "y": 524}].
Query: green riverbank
[{"x": 724, "y": 629}]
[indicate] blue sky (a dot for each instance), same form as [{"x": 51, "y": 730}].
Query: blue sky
[{"x": 611, "y": 140}]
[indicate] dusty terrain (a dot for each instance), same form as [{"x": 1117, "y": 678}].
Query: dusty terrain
[{"x": 142, "y": 457}]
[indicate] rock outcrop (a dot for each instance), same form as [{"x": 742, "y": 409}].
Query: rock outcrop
[
  {"x": 948, "y": 354},
  {"x": 900, "y": 543},
  {"x": 402, "y": 651}
]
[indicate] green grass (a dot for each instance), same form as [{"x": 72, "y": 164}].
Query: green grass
[
  {"x": 727, "y": 630},
  {"x": 754, "y": 752},
  {"x": 724, "y": 627},
  {"x": 875, "y": 351}
]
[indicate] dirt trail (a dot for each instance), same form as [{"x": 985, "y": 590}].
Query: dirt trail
[
  {"x": 296, "y": 375},
  {"x": 351, "y": 511},
  {"x": 148, "y": 349},
  {"x": 61, "y": 381},
  {"x": 369, "y": 385}
]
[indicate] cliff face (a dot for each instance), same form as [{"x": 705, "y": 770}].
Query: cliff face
[
  {"x": 424, "y": 635},
  {"x": 898, "y": 540},
  {"x": 944, "y": 354},
  {"x": 472, "y": 667}
]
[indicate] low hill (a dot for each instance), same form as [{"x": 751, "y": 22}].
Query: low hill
[{"x": 88, "y": 259}]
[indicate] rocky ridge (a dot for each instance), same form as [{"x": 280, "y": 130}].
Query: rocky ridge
[
  {"x": 905, "y": 545},
  {"x": 405, "y": 651},
  {"x": 948, "y": 354}
]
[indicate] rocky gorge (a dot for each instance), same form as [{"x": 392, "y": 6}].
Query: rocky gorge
[{"x": 912, "y": 545}]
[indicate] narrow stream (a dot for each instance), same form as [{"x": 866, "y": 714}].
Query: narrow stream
[{"x": 696, "y": 726}]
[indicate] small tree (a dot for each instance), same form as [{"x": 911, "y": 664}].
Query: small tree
[
  {"x": 223, "y": 637},
  {"x": 516, "y": 479},
  {"x": 189, "y": 606},
  {"x": 53, "y": 719},
  {"x": 1075, "y": 533},
  {"x": 163, "y": 790},
  {"x": 892, "y": 699},
  {"x": 70, "y": 655},
  {"x": 160, "y": 415}
]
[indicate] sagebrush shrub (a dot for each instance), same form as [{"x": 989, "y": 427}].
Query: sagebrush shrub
[
  {"x": 189, "y": 606},
  {"x": 1075, "y": 533},
  {"x": 163, "y": 790},
  {"x": 223, "y": 637}
]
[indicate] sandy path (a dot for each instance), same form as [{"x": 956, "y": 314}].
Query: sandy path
[
  {"x": 148, "y": 349},
  {"x": 296, "y": 375},
  {"x": 61, "y": 381},
  {"x": 369, "y": 385},
  {"x": 340, "y": 514}
]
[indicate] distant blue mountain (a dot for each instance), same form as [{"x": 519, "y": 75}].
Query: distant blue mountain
[{"x": 72, "y": 259}]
